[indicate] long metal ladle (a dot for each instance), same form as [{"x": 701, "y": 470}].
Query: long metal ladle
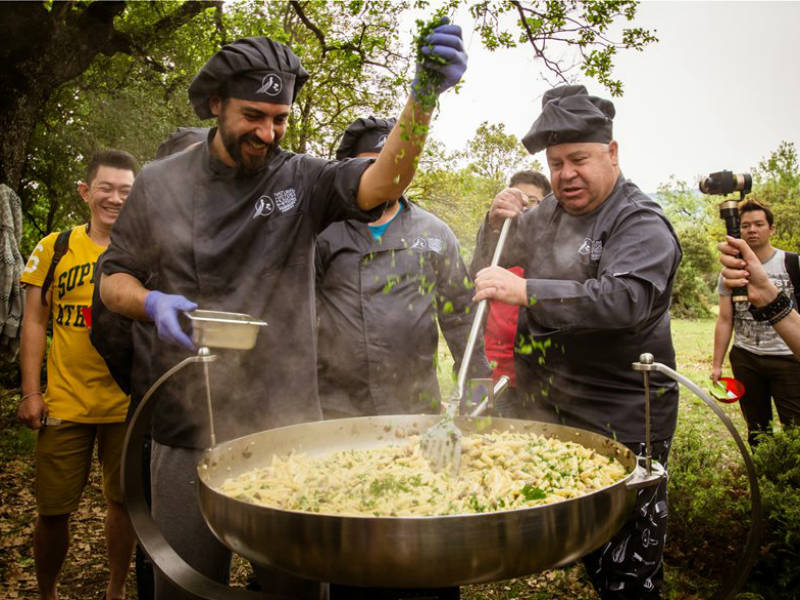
[{"x": 441, "y": 444}]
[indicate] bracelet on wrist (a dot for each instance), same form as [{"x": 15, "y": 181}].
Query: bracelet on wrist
[
  {"x": 781, "y": 315},
  {"x": 24, "y": 396},
  {"x": 775, "y": 311}
]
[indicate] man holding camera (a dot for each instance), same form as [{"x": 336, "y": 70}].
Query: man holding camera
[
  {"x": 760, "y": 359},
  {"x": 741, "y": 267},
  {"x": 600, "y": 258}
]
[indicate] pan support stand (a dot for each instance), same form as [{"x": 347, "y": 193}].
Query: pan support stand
[
  {"x": 205, "y": 353},
  {"x": 203, "y": 356},
  {"x": 741, "y": 570},
  {"x": 193, "y": 583}
]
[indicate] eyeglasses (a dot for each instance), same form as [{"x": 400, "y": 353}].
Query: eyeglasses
[{"x": 533, "y": 199}]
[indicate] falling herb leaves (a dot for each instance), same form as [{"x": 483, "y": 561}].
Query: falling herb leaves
[{"x": 428, "y": 80}]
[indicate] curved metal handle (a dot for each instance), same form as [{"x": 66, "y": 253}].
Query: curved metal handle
[
  {"x": 478, "y": 319},
  {"x": 750, "y": 553},
  {"x": 152, "y": 541}
]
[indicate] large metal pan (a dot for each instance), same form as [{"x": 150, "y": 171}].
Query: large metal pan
[{"x": 407, "y": 551}]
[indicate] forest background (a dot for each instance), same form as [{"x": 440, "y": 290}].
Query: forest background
[{"x": 80, "y": 76}]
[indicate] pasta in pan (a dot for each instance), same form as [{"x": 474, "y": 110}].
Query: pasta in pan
[{"x": 499, "y": 471}]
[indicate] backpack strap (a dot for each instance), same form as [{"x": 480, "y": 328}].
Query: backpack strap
[
  {"x": 59, "y": 250},
  {"x": 792, "y": 262}
]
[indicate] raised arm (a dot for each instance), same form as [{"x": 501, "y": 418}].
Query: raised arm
[
  {"x": 507, "y": 204},
  {"x": 761, "y": 292},
  {"x": 387, "y": 178}
]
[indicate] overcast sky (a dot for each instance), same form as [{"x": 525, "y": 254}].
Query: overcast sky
[{"x": 720, "y": 90}]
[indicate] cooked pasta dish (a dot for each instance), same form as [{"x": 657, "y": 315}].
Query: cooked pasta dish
[{"x": 499, "y": 471}]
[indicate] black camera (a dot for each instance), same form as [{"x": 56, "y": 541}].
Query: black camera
[{"x": 726, "y": 182}]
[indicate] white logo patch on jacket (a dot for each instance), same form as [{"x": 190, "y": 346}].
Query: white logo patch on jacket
[
  {"x": 286, "y": 200},
  {"x": 265, "y": 206},
  {"x": 592, "y": 247},
  {"x": 434, "y": 244}
]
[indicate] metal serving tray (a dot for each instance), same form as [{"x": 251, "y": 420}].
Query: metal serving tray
[{"x": 215, "y": 329}]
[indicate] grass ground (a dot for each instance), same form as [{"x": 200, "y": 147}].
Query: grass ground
[{"x": 84, "y": 572}]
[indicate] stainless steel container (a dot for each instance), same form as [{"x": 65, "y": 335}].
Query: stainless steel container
[{"x": 216, "y": 329}]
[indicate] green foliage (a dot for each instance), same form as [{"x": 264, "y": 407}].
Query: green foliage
[
  {"x": 693, "y": 290},
  {"x": 458, "y": 197},
  {"x": 17, "y": 439},
  {"x": 134, "y": 102},
  {"x": 777, "y": 182},
  {"x": 119, "y": 101},
  {"x": 696, "y": 220},
  {"x": 459, "y": 187},
  {"x": 710, "y": 505},
  {"x": 777, "y": 459},
  {"x": 707, "y": 493},
  {"x": 496, "y": 155},
  {"x": 9, "y": 370},
  {"x": 564, "y": 29},
  {"x": 684, "y": 204},
  {"x": 428, "y": 80},
  {"x": 134, "y": 98},
  {"x": 691, "y": 214},
  {"x": 353, "y": 59}
]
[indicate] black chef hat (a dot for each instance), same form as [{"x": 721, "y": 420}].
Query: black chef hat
[
  {"x": 364, "y": 135},
  {"x": 253, "y": 68},
  {"x": 569, "y": 115},
  {"x": 180, "y": 139}
]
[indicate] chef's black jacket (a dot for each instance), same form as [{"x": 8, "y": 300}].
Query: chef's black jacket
[
  {"x": 600, "y": 287},
  {"x": 379, "y": 302},
  {"x": 192, "y": 226}
]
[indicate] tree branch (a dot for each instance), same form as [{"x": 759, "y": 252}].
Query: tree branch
[
  {"x": 344, "y": 47},
  {"x": 307, "y": 22},
  {"x": 552, "y": 66}
]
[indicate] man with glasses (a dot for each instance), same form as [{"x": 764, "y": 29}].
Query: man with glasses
[{"x": 82, "y": 402}]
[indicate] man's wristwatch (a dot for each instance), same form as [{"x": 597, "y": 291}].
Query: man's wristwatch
[{"x": 774, "y": 311}]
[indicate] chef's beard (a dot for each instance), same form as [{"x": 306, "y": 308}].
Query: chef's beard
[{"x": 247, "y": 165}]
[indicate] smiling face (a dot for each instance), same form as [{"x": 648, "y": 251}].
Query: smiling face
[
  {"x": 582, "y": 174},
  {"x": 105, "y": 194},
  {"x": 248, "y": 131}
]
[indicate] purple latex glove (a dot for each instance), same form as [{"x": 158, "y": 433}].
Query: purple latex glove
[
  {"x": 164, "y": 310},
  {"x": 445, "y": 42}
]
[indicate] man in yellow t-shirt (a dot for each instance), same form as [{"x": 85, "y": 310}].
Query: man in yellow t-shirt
[{"x": 81, "y": 402}]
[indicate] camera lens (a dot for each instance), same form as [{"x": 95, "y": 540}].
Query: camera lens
[{"x": 725, "y": 182}]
